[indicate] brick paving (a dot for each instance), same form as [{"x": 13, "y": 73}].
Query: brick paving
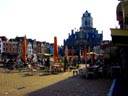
[
  {"x": 62, "y": 84},
  {"x": 75, "y": 87}
]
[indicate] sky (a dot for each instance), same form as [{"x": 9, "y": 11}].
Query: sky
[{"x": 44, "y": 19}]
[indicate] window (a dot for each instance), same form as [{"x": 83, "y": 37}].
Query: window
[
  {"x": 86, "y": 22},
  {"x": 3, "y": 49}
]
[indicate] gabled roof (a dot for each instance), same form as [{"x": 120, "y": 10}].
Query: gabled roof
[{"x": 4, "y": 38}]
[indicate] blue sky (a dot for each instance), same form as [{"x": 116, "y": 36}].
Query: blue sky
[{"x": 44, "y": 19}]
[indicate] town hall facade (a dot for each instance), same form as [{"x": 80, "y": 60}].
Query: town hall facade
[{"x": 85, "y": 37}]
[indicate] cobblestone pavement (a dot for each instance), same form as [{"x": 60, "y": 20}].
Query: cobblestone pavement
[
  {"x": 62, "y": 84},
  {"x": 76, "y": 87}
]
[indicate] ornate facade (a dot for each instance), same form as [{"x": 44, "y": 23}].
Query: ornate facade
[{"x": 86, "y": 37}]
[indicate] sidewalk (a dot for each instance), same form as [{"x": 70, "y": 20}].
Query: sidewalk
[
  {"x": 121, "y": 87},
  {"x": 62, "y": 84},
  {"x": 75, "y": 87}
]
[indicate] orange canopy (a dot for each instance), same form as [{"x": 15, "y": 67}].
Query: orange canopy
[
  {"x": 84, "y": 52},
  {"x": 66, "y": 51},
  {"x": 72, "y": 52},
  {"x": 24, "y": 49},
  {"x": 55, "y": 50}
]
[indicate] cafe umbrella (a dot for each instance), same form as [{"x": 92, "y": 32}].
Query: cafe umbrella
[
  {"x": 66, "y": 52},
  {"x": 84, "y": 53},
  {"x": 66, "y": 58},
  {"x": 55, "y": 50},
  {"x": 72, "y": 52},
  {"x": 24, "y": 49}
]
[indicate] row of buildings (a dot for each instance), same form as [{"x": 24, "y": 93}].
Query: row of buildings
[
  {"x": 84, "y": 38},
  {"x": 13, "y": 47}
]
